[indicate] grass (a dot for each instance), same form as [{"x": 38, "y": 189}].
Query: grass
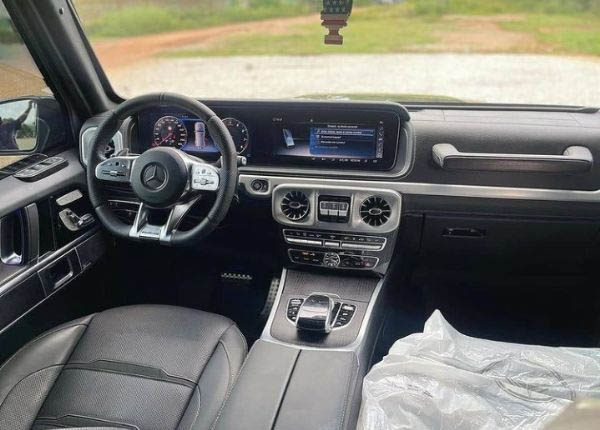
[
  {"x": 8, "y": 34},
  {"x": 370, "y": 31},
  {"x": 562, "y": 34},
  {"x": 495, "y": 7},
  {"x": 557, "y": 26},
  {"x": 151, "y": 18}
]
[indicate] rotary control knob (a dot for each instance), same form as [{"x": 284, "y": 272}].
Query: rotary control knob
[{"x": 331, "y": 259}]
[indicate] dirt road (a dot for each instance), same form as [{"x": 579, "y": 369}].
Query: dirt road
[{"x": 123, "y": 52}]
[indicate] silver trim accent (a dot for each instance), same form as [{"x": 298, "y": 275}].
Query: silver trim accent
[
  {"x": 575, "y": 159},
  {"x": 448, "y": 190},
  {"x": 85, "y": 142},
  {"x": 380, "y": 246},
  {"x": 356, "y": 194},
  {"x": 351, "y": 347}
]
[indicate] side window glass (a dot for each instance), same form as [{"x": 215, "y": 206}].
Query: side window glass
[{"x": 24, "y": 98}]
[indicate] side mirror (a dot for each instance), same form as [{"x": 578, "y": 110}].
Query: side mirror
[{"x": 25, "y": 125}]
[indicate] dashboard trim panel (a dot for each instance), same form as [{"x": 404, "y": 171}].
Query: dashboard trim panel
[
  {"x": 446, "y": 190},
  {"x": 357, "y": 195}
]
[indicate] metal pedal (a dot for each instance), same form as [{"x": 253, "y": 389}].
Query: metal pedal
[
  {"x": 236, "y": 277},
  {"x": 270, "y": 297}
]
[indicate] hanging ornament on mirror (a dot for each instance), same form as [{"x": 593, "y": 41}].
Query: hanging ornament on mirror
[{"x": 335, "y": 16}]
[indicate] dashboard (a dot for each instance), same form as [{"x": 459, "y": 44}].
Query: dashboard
[
  {"x": 344, "y": 180},
  {"x": 357, "y": 138}
]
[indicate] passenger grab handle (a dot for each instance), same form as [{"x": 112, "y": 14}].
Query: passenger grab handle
[{"x": 575, "y": 159}]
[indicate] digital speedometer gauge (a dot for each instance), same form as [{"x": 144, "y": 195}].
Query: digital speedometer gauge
[
  {"x": 169, "y": 131},
  {"x": 239, "y": 133}
]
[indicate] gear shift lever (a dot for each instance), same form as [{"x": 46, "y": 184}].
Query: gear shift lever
[{"x": 316, "y": 314}]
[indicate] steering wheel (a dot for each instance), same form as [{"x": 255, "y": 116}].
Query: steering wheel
[{"x": 163, "y": 177}]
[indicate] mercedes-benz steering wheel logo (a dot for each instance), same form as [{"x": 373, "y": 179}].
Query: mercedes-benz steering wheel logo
[{"x": 154, "y": 176}]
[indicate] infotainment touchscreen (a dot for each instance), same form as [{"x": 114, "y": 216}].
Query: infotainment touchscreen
[{"x": 331, "y": 143}]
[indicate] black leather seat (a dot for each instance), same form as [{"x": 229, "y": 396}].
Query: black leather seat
[{"x": 137, "y": 367}]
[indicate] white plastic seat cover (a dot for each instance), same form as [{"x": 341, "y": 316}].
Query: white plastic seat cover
[{"x": 442, "y": 379}]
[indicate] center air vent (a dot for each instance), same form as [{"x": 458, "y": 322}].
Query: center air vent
[
  {"x": 375, "y": 211},
  {"x": 295, "y": 205}
]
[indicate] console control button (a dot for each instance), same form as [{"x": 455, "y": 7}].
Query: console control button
[
  {"x": 344, "y": 315},
  {"x": 334, "y": 209},
  {"x": 293, "y": 308},
  {"x": 331, "y": 244},
  {"x": 306, "y": 257},
  {"x": 334, "y": 240},
  {"x": 331, "y": 259},
  {"x": 361, "y": 246},
  {"x": 259, "y": 185},
  {"x": 205, "y": 177},
  {"x": 41, "y": 169}
]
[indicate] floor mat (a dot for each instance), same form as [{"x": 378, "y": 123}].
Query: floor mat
[{"x": 553, "y": 311}]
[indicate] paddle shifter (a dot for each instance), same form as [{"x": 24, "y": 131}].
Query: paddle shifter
[{"x": 316, "y": 314}]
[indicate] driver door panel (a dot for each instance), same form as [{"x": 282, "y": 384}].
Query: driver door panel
[{"x": 43, "y": 249}]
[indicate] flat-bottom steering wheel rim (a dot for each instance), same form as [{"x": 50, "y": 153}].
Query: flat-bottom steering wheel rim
[{"x": 228, "y": 172}]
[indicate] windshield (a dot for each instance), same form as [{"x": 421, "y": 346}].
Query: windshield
[{"x": 487, "y": 51}]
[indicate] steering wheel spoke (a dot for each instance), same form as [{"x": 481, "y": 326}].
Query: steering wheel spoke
[
  {"x": 116, "y": 169},
  {"x": 143, "y": 230}
]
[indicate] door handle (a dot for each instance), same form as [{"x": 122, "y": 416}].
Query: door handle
[
  {"x": 20, "y": 236},
  {"x": 575, "y": 159}
]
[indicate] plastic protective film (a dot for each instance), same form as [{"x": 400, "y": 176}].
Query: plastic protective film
[{"x": 442, "y": 379}]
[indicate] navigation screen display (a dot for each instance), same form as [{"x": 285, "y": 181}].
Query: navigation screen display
[{"x": 352, "y": 143}]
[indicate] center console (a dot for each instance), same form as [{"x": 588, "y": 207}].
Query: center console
[
  {"x": 318, "y": 341},
  {"x": 306, "y": 370},
  {"x": 319, "y": 338},
  {"x": 338, "y": 241}
]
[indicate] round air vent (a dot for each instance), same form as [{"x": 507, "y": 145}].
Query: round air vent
[
  {"x": 295, "y": 205},
  {"x": 375, "y": 211}
]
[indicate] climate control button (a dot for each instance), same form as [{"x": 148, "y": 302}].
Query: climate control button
[{"x": 331, "y": 259}]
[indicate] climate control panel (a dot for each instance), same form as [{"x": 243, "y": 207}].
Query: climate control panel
[{"x": 333, "y": 260}]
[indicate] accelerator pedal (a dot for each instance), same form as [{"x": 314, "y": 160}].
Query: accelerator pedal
[{"x": 270, "y": 298}]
